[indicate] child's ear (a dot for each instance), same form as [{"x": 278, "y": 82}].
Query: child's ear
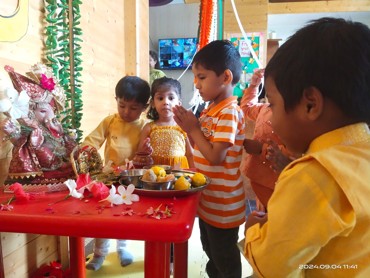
[
  {"x": 313, "y": 102},
  {"x": 228, "y": 77}
]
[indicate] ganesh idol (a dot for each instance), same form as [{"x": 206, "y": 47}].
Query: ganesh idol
[{"x": 41, "y": 146}]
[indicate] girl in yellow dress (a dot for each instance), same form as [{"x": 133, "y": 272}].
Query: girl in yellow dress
[{"x": 169, "y": 142}]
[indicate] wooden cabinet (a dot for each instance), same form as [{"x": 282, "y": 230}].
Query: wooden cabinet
[{"x": 272, "y": 46}]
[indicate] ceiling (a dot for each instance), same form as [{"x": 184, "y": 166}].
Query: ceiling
[{"x": 284, "y": 25}]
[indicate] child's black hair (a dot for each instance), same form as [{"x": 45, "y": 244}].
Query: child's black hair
[
  {"x": 133, "y": 88},
  {"x": 219, "y": 56},
  {"x": 331, "y": 54},
  {"x": 154, "y": 55},
  {"x": 162, "y": 84}
]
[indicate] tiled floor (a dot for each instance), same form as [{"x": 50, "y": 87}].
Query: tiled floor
[{"x": 196, "y": 262}]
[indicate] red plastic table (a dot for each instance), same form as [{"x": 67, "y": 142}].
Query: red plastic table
[{"x": 78, "y": 219}]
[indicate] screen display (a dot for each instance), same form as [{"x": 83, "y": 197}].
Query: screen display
[{"x": 176, "y": 53}]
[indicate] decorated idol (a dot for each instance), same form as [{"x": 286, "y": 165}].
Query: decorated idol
[{"x": 41, "y": 147}]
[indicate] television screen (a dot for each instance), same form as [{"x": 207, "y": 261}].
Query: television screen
[{"x": 176, "y": 53}]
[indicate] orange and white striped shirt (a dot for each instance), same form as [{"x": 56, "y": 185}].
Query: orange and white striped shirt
[{"x": 222, "y": 203}]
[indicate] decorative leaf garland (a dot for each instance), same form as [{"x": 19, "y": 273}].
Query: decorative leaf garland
[{"x": 63, "y": 52}]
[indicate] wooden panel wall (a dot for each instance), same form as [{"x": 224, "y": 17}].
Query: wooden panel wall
[
  {"x": 116, "y": 43},
  {"x": 319, "y": 6}
]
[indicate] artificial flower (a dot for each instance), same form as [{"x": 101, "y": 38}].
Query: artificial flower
[
  {"x": 47, "y": 83},
  {"x": 15, "y": 104}
]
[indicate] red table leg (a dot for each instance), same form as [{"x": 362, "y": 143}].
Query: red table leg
[
  {"x": 77, "y": 256},
  {"x": 157, "y": 259},
  {"x": 181, "y": 260}
]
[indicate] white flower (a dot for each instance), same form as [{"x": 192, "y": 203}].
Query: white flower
[
  {"x": 71, "y": 184},
  {"x": 111, "y": 196},
  {"x": 127, "y": 195},
  {"x": 124, "y": 195},
  {"x": 16, "y": 104}
]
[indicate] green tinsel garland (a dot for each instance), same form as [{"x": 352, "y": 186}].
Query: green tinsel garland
[{"x": 63, "y": 52}]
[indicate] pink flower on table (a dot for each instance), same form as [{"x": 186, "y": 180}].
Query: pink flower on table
[
  {"x": 47, "y": 83},
  {"x": 19, "y": 193},
  {"x": 99, "y": 190},
  {"x": 83, "y": 182}
]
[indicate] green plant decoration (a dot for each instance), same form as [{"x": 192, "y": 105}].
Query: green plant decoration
[{"x": 63, "y": 53}]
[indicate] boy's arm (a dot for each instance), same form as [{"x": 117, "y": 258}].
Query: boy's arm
[
  {"x": 97, "y": 137},
  {"x": 249, "y": 102},
  {"x": 215, "y": 152}
]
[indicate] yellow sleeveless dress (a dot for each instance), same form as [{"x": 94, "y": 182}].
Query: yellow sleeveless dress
[{"x": 169, "y": 146}]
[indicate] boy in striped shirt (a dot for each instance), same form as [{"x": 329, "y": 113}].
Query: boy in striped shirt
[{"x": 218, "y": 145}]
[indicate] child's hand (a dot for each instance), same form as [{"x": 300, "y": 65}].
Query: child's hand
[
  {"x": 252, "y": 146},
  {"x": 184, "y": 118},
  {"x": 146, "y": 147},
  {"x": 276, "y": 157},
  {"x": 254, "y": 218},
  {"x": 257, "y": 76}
]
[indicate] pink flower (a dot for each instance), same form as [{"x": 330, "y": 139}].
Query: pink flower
[
  {"x": 99, "y": 190},
  {"x": 160, "y": 214},
  {"x": 84, "y": 181},
  {"x": 19, "y": 193},
  {"x": 47, "y": 83}
]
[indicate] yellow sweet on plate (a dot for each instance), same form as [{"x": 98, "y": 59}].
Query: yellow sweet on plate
[
  {"x": 182, "y": 184},
  {"x": 198, "y": 179},
  {"x": 159, "y": 171}
]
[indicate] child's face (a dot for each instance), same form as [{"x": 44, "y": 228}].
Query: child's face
[
  {"x": 129, "y": 111},
  {"x": 210, "y": 86},
  {"x": 152, "y": 62},
  {"x": 164, "y": 101},
  {"x": 290, "y": 125}
]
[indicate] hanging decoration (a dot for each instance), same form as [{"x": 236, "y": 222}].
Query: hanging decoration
[
  {"x": 63, "y": 53},
  {"x": 207, "y": 22}
]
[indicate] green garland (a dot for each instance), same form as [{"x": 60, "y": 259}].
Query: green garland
[{"x": 63, "y": 52}]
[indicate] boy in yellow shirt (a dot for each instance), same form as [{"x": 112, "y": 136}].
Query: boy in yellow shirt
[
  {"x": 120, "y": 132},
  {"x": 318, "y": 86}
]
